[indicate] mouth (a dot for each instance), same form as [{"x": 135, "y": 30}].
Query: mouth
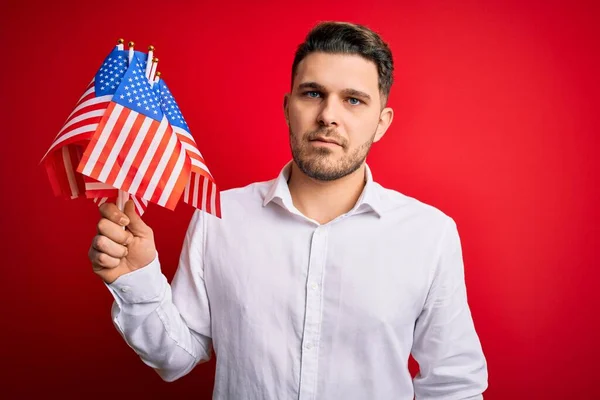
[{"x": 322, "y": 141}]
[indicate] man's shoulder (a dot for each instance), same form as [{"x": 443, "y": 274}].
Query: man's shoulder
[
  {"x": 252, "y": 192},
  {"x": 397, "y": 202},
  {"x": 238, "y": 204}
]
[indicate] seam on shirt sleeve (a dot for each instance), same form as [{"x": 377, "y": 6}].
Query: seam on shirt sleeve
[
  {"x": 167, "y": 327},
  {"x": 436, "y": 265}
]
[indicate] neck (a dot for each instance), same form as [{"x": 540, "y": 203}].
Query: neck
[{"x": 325, "y": 201}]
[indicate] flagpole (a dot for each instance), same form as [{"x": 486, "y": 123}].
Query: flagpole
[
  {"x": 123, "y": 196},
  {"x": 131, "y": 45},
  {"x": 153, "y": 69},
  {"x": 149, "y": 60}
]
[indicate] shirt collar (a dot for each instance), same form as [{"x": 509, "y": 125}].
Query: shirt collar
[{"x": 279, "y": 193}]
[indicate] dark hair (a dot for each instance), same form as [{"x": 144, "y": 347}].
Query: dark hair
[{"x": 347, "y": 38}]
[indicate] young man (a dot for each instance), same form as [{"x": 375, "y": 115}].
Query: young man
[{"x": 319, "y": 283}]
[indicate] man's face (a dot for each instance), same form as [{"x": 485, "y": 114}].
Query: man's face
[{"x": 334, "y": 114}]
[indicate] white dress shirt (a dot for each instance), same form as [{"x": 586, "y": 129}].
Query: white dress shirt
[{"x": 298, "y": 310}]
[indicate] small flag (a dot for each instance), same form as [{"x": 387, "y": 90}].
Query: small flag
[
  {"x": 201, "y": 190},
  {"x": 134, "y": 148}
]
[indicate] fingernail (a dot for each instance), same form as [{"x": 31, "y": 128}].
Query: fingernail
[{"x": 123, "y": 221}]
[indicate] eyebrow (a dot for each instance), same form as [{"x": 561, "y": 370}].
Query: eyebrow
[{"x": 347, "y": 92}]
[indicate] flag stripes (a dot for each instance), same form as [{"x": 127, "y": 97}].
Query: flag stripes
[
  {"x": 116, "y": 156},
  {"x": 126, "y": 138}
]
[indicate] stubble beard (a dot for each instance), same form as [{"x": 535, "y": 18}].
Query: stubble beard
[{"x": 317, "y": 163}]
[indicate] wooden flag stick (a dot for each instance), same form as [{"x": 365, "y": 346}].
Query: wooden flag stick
[
  {"x": 153, "y": 69},
  {"x": 156, "y": 78},
  {"x": 131, "y": 50},
  {"x": 123, "y": 196},
  {"x": 149, "y": 60}
]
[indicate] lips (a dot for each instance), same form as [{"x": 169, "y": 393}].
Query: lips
[{"x": 326, "y": 140}]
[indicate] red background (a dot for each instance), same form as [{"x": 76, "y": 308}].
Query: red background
[{"x": 496, "y": 124}]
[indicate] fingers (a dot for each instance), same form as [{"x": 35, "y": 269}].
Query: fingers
[
  {"x": 128, "y": 217},
  {"x": 136, "y": 225},
  {"x": 102, "y": 260},
  {"x": 104, "y": 245},
  {"x": 113, "y": 214},
  {"x": 114, "y": 232},
  {"x": 105, "y": 253},
  {"x": 109, "y": 246}
]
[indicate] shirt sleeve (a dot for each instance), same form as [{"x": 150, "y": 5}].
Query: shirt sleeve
[
  {"x": 446, "y": 346},
  {"x": 168, "y": 326}
]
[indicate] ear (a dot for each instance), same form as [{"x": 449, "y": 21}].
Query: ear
[
  {"x": 286, "y": 102},
  {"x": 385, "y": 120}
]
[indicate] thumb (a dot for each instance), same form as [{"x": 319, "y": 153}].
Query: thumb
[{"x": 136, "y": 225}]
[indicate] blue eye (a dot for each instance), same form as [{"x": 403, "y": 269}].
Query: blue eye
[
  {"x": 354, "y": 101},
  {"x": 312, "y": 94}
]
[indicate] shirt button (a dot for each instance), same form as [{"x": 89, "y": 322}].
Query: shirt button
[
  {"x": 309, "y": 346},
  {"x": 314, "y": 286},
  {"x": 125, "y": 289}
]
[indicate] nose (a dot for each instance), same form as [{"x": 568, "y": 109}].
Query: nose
[{"x": 329, "y": 115}]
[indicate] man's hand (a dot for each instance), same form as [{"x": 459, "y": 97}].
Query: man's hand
[{"x": 116, "y": 251}]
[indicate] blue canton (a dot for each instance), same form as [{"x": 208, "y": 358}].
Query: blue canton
[
  {"x": 111, "y": 73},
  {"x": 170, "y": 107},
  {"x": 135, "y": 91}
]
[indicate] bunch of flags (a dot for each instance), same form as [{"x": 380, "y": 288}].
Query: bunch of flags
[{"x": 127, "y": 138}]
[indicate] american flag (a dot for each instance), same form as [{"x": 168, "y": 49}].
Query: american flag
[
  {"x": 201, "y": 190},
  {"x": 65, "y": 152},
  {"x": 134, "y": 148}
]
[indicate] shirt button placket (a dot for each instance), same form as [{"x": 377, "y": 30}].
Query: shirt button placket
[{"x": 312, "y": 319}]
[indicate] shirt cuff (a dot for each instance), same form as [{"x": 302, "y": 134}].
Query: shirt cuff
[{"x": 139, "y": 286}]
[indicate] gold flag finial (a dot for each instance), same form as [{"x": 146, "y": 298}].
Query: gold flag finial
[
  {"x": 158, "y": 73},
  {"x": 131, "y": 44},
  {"x": 155, "y": 59},
  {"x": 121, "y": 41},
  {"x": 150, "y": 48}
]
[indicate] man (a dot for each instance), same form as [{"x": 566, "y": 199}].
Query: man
[{"x": 318, "y": 284}]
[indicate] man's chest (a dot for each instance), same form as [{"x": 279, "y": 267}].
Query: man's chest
[{"x": 359, "y": 277}]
